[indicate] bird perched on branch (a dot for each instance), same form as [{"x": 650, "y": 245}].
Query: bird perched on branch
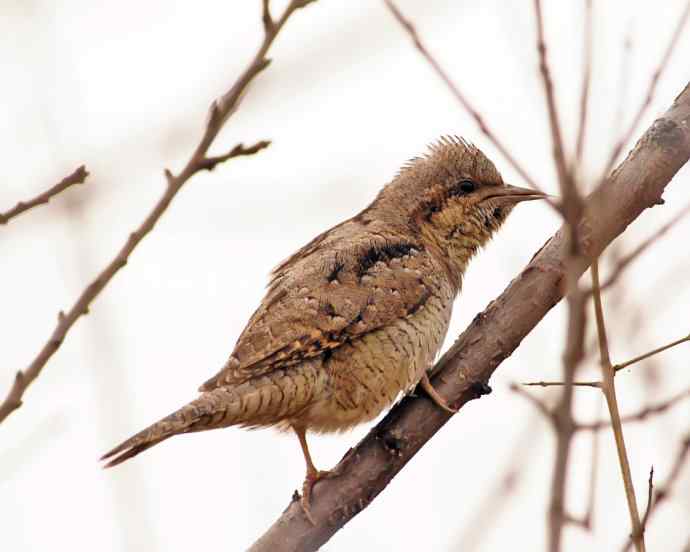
[{"x": 357, "y": 315}]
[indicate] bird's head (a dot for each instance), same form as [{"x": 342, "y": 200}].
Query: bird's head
[{"x": 455, "y": 198}]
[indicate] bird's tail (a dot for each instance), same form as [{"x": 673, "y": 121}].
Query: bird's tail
[{"x": 260, "y": 402}]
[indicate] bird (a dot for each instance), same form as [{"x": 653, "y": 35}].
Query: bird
[{"x": 356, "y": 317}]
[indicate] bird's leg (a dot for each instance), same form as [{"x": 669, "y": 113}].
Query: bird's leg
[
  {"x": 433, "y": 394},
  {"x": 313, "y": 475}
]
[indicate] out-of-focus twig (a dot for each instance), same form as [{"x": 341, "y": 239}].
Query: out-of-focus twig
[
  {"x": 626, "y": 260},
  {"x": 627, "y": 136},
  {"x": 221, "y": 109},
  {"x": 77, "y": 177},
  {"x": 462, "y": 99},
  {"x": 584, "y": 94},
  {"x": 572, "y": 204},
  {"x": 572, "y": 207},
  {"x": 623, "y": 83},
  {"x": 640, "y": 415}
]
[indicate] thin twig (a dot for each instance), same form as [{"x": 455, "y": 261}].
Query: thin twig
[
  {"x": 591, "y": 502},
  {"x": 540, "y": 405},
  {"x": 219, "y": 112},
  {"x": 609, "y": 390},
  {"x": 209, "y": 163},
  {"x": 571, "y": 201},
  {"x": 572, "y": 209},
  {"x": 623, "y": 83},
  {"x": 650, "y": 491},
  {"x": 618, "y": 147},
  {"x": 455, "y": 90},
  {"x": 618, "y": 367},
  {"x": 563, "y": 413},
  {"x": 595, "y": 384},
  {"x": 626, "y": 260},
  {"x": 586, "y": 77},
  {"x": 77, "y": 177},
  {"x": 664, "y": 490},
  {"x": 640, "y": 415}
]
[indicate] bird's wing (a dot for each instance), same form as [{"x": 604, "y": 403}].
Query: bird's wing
[{"x": 325, "y": 297}]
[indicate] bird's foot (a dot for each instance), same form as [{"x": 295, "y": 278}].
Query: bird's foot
[
  {"x": 308, "y": 485},
  {"x": 433, "y": 394}
]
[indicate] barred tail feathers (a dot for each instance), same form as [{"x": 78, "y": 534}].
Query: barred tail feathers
[{"x": 260, "y": 402}]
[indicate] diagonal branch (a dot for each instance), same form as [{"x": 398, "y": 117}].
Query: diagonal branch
[
  {"x": 461, "y": 374},
  {"x": 219, "y": 112},
  {"x": 77, "y": 177}
]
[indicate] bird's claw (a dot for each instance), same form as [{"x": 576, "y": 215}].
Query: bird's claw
[
  {"x": 307, "y": 486},
  {"x": 434, "y": 396}
]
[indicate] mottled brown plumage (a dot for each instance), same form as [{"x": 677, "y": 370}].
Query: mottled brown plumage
[{"x": 357, "y": 315}]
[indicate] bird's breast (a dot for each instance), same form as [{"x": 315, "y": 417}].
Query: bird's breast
[{"x": 367, "y": 374}]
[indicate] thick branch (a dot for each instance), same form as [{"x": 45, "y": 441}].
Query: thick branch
[
  {"x": 219, "y": 112},
  {"x": 493, "y": 335},
  {"x": 77, "y": 177}
]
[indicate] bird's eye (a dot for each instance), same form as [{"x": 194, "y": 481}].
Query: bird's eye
[
  {"x": 467, "y": 186},
  {"x": 464, "y": 187}
]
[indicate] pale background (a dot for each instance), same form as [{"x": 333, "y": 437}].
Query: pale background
[{"x": 124, "y": 88}]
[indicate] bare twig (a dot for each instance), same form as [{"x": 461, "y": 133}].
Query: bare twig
[
  {"x": 586, "y": 77},
  {"x": 455, "y": 90},
  {"x": 641, "y": 414},
  {"x": 219, "y": 112},
  {"x": 627, "y": 136},
  {"x": 664, "y": 490},
  {"x": 494, "y": 334},
  {"x": 595, "y": 384},
  {"x": 539, "y": 404},
  {"x": 209, "y": 163},
  {"x": 608, "y": 387},
  {"x": 618, "y": 367},
  {"x": 564, "y": 423},
  {"x": 77, "y": 177},
  {"x": 565, "y": 178},
  {"x": 650, "y": 490},
  {"x": 626, "y": 260},
  {"x": 623, "y": 83},
  {"x": 572, "y": 208}
]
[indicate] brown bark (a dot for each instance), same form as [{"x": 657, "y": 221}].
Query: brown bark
[{"x": 493, "y": 335}]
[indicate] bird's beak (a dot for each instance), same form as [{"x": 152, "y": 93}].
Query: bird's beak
[{"x": 513, "y": 194}]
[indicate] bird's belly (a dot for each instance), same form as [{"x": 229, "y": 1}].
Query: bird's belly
[{"x": 367, "y": 374}]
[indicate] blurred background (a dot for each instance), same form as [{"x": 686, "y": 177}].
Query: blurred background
[{"x": 124, "y": 88}]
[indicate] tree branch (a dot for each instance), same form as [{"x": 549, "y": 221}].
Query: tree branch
[
  {"x": 608, "y": 387},
  {"x": 77, "y": 177},
  {"x": 219, "y": 112},
  {"x": 461, "y": 374}
]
